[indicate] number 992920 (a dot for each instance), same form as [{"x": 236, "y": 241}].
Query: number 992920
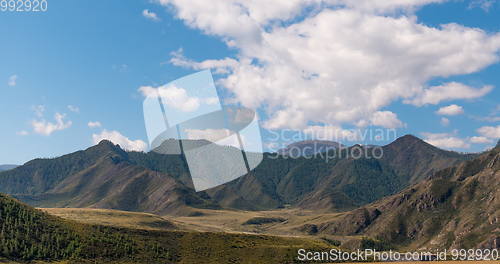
[{"x": 23, "y": 5}]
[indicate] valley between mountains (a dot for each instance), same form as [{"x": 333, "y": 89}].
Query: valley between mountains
[{"x": 416, "y": 197}]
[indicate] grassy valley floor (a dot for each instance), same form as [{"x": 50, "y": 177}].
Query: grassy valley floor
[{"x": 285, "y": 223}]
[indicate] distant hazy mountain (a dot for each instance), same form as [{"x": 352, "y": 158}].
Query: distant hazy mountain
[
  {"x": 458, "y": 207},
  {"x": 7, "y": 167},
  {"x": 309, "y": 147}
]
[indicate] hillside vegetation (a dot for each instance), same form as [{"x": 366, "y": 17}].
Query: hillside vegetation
[
  {"x": 30, "y": 234},
  {"x": 458, "y": 207},
  {"x": 103, "y": 176}
]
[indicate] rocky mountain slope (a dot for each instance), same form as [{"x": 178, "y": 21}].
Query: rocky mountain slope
[{"x": 458, "y": 207}]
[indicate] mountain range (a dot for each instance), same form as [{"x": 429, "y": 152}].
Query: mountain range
[
  {"x": 340, "y": 183},
  {"x": 414, "y": 197},
  {"x": 105, "y": 176},
  {"x": 7, "y": 167},
  {"x": 457, "y": 207}
]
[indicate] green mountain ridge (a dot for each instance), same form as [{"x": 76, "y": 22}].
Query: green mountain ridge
[
  {"x": 105, "y": 176},
  {"x": 341, "y": 183}
]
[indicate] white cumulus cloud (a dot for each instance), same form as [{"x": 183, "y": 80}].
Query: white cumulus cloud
[
  {"x": 480, "y": 140},
  {"x": 46, "y": 128},
  {"x": 117, "y": 138},
  {"x": 220, "y": 66},
  {"x": 336, "y": 65},
  {"x": 450, "y": 110},
  {"x": 489, "y": 131},
  {"x": 449, "y": 91},
  {"x": 386, "y": 119},
  {"x": 446, "y": 140},
  {"x": 173, "y": 96}
]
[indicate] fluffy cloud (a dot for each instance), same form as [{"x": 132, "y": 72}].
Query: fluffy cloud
[
  {"x": 46, "y": 128},
  {"x": 449, "y": 91},
  {"x": 95, "y": 124},
  {"x": 450, "y": 110},
  {"x": 445, "y": 140},
  {"x": 223, "y": 66},
  {"x": 117, "y": 138},
  {"x": 173, "y": 96},
  {"x": 384, "y": 6},
  {"x": 12, "y": 80},
  {"x": 244, "y": 19},
  {"x": 489, "y": 131},
  {"x": 336, "y": 65},
  {"x": 480, "y": 140},
  {"x": 150, "y": 15},
  {"x": 386, "y": 119}
]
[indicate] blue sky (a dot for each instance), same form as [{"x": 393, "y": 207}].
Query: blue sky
[{"x": 86, "y": 60}]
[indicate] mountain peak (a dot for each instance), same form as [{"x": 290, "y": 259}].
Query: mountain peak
[
  {"x": 412, "y": 142},
  {"x": 105, "y": 142},
  {"x": 409, "y": 138},
  {"x": 106, "y": 146}
]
